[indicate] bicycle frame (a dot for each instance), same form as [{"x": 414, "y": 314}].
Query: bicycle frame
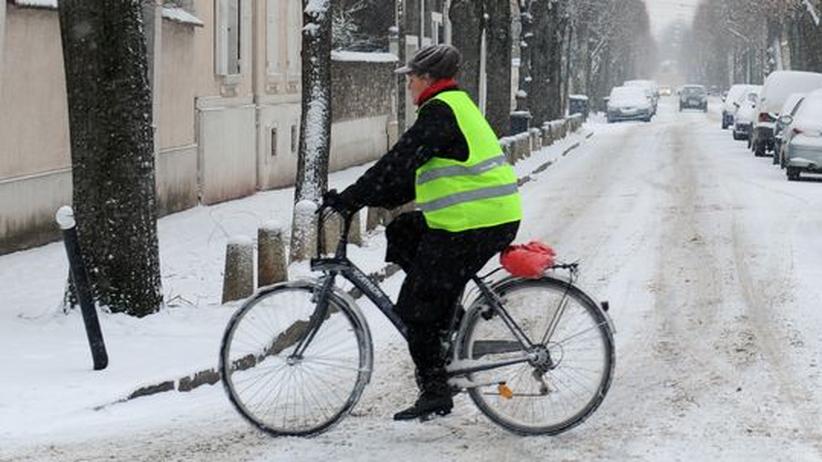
[{"x": 340, "y": 265}]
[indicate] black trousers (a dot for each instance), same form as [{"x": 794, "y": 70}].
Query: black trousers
[{"x": 438, "y": 264}]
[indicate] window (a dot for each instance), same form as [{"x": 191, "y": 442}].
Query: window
[
  {"x": 228, "y": 43},
  {"x": 274, "y": 142},
  {"x": 283, "y": 42},
  {"x": 437, "y": 29},
  {"x": 295, "y": 138}
]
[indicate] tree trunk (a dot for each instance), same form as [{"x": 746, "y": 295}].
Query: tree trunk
[
  {"x": 498, "y": 99},
  {"x": 556, "y": 81},
  {"x": 541, "y": 63},
  {"x": 112, "y": 152},
  {"x": 402, "y": 45},
  {"x": 466, "y": 34},
  {"x": 315, "y": 118}
]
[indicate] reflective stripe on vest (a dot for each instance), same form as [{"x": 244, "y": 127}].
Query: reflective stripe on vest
[{"x": 476, "y": 193}]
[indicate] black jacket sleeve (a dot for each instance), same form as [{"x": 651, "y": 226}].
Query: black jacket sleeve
[{"x": 390, "y": 182}]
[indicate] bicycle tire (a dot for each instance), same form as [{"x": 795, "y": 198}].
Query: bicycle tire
[
  {"x": 493, "y": 408},
  {"x": 271, "y": 357}
]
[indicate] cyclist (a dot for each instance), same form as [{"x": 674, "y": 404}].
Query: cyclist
[{"x": 449, "y": 162}]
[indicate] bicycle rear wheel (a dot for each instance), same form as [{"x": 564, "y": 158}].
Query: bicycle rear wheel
[
  {"x": 283, "y": 394},
  {"x": 540, "y": 400}
]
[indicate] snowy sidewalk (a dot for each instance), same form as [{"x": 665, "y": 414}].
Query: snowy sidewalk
[{"x": 47, "y": 366}]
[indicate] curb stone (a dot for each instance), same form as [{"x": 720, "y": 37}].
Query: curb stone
[{"x": 212, "y": 375}]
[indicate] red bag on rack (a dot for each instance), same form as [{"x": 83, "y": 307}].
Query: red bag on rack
[{"x": 527, "y": 260}]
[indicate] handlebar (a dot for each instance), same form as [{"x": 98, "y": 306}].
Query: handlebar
[{"x": 345, "y": 228}]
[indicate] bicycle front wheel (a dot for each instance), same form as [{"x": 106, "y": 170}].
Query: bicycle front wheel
[
  {"x": 546, "y": 396},
  {"x": 286, "y": 394}
]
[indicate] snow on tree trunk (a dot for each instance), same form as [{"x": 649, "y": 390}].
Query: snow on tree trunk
[
  {"x": 526, "y": 41},
  {"x": 466, "y": 34},
  {"x": 498, "y": 99},
  {"x": 315, "y": 120},
  {"x": 110, "y": 117}
]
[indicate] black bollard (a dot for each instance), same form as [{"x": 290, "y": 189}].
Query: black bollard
[{"x": 79, "y": 276}]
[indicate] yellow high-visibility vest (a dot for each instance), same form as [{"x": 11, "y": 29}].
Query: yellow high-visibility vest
[{"x": 477, "y": 193}]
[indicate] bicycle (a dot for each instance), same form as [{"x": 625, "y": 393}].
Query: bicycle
[{"x": 296, "y": 356}]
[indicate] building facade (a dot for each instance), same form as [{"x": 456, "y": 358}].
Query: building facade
[{"x": 226, "y": 81}]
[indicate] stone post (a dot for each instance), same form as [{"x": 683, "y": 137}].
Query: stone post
[
  {"x": 271, "y": 262},
  {"x": 238, "y": 278}
]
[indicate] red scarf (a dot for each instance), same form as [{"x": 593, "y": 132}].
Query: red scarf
[{"x": 434, "y": 88}]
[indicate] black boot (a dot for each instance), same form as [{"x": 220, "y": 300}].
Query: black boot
[
  {"x": 426, "y": 406},
  {"x": 434, "y": 399}
]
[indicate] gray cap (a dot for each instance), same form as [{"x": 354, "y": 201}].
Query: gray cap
[{"x": 438, "y": 61}]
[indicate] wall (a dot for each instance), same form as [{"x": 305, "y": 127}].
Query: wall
[
  {"x": 2, "y": 36},
  {"x": 176, "y": 160},
  {"x": 226, "y": 148},
  {"x": 35, "y": 176},
  {"x": 34, "y": 116},
  {"x": 363, "y": 102}
]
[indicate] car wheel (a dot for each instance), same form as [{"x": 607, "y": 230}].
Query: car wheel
[{"x": 793, "y": 174}]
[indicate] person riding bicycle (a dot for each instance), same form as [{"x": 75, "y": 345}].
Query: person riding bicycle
[{"x": 451, "y": 164}]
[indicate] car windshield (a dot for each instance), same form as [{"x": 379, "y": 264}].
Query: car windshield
[{"x": 693, "y": 91}]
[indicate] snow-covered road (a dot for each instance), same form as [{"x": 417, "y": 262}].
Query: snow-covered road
[{"x": 712, "y": 263}]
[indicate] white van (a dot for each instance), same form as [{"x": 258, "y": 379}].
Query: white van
[{"x": 778, "y": 86}]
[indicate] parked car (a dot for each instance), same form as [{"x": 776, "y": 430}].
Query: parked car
[
  {"x": 651, "y": 90},
  {"x": 802, "y": 145},
  {"x": 728, "y": 108},
  {"x": 778, "y": 86},
  {"x": 744, "y": 115},
  {"x": 791, "y": 106},
  {"x": 693, "y": 97},
  {"x": 629, "y": 103}
]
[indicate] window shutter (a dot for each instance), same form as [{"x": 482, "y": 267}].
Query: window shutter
[
  {"x": 271, "y": 32},
  {"x": 295, "y": 28},
  {"x": 221, "y": 38}
]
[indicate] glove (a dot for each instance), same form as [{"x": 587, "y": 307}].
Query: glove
[{"x": 336, "y": 201}]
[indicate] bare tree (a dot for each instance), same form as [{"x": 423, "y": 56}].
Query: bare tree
[
  {"x": 466, "y": 34},
  {"x": 498, "y": 65},
  {"x": 112, "y": 152},
  {"x": 315, "y": 118}
]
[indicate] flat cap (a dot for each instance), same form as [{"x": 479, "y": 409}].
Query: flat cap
[{"x": 438, "y": 61}]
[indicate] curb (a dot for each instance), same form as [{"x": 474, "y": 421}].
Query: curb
[
  {"x": 541, "y": 168},
  {"x": 212, "y": 375}
]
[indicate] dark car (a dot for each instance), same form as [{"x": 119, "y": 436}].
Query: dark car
[{"x": 693, "y": 97}]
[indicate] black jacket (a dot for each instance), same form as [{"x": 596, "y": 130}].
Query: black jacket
[{"x": 390, "y": 182}]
